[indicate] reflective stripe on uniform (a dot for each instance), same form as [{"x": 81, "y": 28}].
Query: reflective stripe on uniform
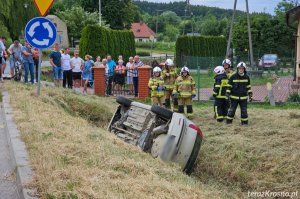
[
  {"x": 229, "y": 118},
  {"x": 240, "y": 80},
  {"x": 229, "y": 85},
  {"x": 244, "y": 119},
  {"x": 249, "y": 91},
  {"x": 221, "y": 97},
  {"x": 185, "y": 94},
  {"x": 238, "y": 98},
  {"x": 218, "y": 86},
  {"x": 249, "y": 86},
  {"x": 228, "y": 91}
]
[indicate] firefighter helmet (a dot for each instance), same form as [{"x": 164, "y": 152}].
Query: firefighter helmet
[
  {"x": 169, "y": 62},
  {"x": 185, "y": 69},
  {"x": 242, "y": 65},
  {"x": 226, "y": 61},
  {"x": 219, "y": 70},
  {"x": 156, "y": 70}
]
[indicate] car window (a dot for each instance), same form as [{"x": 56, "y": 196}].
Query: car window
[{"x": 270, "y": 57}]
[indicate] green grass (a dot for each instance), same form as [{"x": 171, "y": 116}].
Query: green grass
[
  {"x": 155, "y": 51},
  {"x": 207, "y": 80},
  {"x": 0, "y": 97}
]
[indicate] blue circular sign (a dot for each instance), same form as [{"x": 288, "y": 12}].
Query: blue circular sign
[{"x": 40, "y": 33}]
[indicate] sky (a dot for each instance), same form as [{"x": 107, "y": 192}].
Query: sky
[{"x": 254, "y": 5}]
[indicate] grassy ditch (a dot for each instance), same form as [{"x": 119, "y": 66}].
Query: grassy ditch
[
  {"x": 262, "y": 156},
  {"x": 73, "y": 158}
]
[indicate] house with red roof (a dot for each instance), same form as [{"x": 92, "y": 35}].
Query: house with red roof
[{"x": 143, "y": 33}]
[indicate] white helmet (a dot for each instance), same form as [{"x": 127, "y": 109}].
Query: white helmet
[
  {"x": 226, "y": 61},
  {"x": 185, "y": 69},
  {"x": 242, "y": 64},
  {"x": 219, "y": 70},
  {"x": 156, "y": 70},
  {"x": 169, "y": 62}
]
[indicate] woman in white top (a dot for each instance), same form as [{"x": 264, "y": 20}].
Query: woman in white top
[
  {"x": 76, "y": 65},
  {"x": 129, "y": 69}
]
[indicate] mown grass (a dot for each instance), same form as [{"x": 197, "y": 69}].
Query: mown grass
[{"x": 73, "y": 158}]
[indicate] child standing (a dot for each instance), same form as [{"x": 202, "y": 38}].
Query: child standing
[{"x": 87, "y": 71}]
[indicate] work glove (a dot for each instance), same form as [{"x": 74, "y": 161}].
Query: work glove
[
  {"x": 163, "y": 88},
  {"x": 159, "y": 88},
  {"x": 193, "y": 96},
  {"x": 174, "y": 94}
]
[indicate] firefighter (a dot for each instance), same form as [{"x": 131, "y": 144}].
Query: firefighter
[
  {"x": 239, "y": 88},
  {"x": 227, "y": 66},
  {"x": 169, "y": 76},
  {"x": 219, "y": 93},
  {"x": 156, "y": 85},
  {"x": 185, "y": 90}
]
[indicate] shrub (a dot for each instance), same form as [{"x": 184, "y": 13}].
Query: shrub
[
  {"x": 200, "y": 46},
  {"x": 143, "y": 53},
  {"x": 294, "y": 97},
  {"x": 96, "y": 40}
]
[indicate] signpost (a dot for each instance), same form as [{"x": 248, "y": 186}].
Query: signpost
[{"x": 41, "y": 33}]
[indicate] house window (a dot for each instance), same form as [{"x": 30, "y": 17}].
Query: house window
[{"x": 140, "y": 40}]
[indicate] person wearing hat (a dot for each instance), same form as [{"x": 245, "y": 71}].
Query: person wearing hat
[
  {"x": 156, "y": 85},
  {"x": 238, "y": 91},
  {"x": 185, "y": 90},
  {"x": 169, "y": 76},
  {"x": 221, "y": 104},
  {"x": 227, "y": 67}
]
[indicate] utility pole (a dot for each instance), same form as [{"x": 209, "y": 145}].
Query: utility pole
[
  {"x": 100, "y": 14},
  {"x": 249, "y": 34},
  {"x": 156, "y": 30},
  {"x": 231, "y": 28}
]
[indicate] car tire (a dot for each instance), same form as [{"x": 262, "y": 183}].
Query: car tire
[
  {"x": 190, "y": 164},
  {"x": 123, "y": 101},
  {"x": 161, "y": 111}
]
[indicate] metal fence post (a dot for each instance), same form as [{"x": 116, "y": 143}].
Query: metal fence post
[{"x": 198, "y": 77}]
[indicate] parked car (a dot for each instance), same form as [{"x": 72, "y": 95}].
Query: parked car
[
  {"x": 268, "y": 61},
  {"x": 164, "y": 134}
]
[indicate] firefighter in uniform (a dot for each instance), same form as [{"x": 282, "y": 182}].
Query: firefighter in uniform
[
  {"x": 227, "y": 66},
  {"x": 239, "y": 88},
  {"x": 156, "y": 85},
  {"x": 219, "y": 93},
  {"x": 169, "y": 76},
  {"x": 185, "y": 90}
]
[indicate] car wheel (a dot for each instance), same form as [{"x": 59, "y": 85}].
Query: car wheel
[
  {"x": 161, "y": 111},
  {"x": 123, "y": 101},
  {"x": 190, "y": 164}
]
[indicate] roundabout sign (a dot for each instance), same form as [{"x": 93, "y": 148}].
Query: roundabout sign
[{"x": 40, "y": 33}]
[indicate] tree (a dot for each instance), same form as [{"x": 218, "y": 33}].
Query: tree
[
  {"x": 119, "y": 14},
  {"x": 76, "y": 19},
  {"x": 171, "y": 32}
]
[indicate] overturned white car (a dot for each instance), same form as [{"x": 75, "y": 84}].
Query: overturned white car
[{"x": 159, "y": 131}]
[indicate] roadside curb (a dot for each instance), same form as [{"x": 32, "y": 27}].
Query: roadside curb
[{"x": 18, "y": 151}]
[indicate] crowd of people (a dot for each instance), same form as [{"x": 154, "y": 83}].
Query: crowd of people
[
  {"x": 69, "y": 71},
  {"x": 22, "y": 54}
]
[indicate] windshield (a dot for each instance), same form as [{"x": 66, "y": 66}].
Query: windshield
[{"x": 269, "y": 57}]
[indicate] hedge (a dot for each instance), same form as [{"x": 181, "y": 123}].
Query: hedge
[
  {"x": 96, "y": 40},
  {"x": 200, "y": 46}
]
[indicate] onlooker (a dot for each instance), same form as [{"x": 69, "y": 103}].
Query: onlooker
[
  {"x": 15, "y": 51},
  {"x": 3, "y": 54},
  {"x": 67, "y": 70},
  {"x": 28, "y": 62},
  {"x": 87, "y": 71},
  {"x": 137, "y": 63},
  {"x": 98, "y": 62},
  {"x": 129, "y": 68},
  {"x": 121, "y": 58},
  {"x": 104, "y": 64},
  {"x": 120, "y": 76},
  {"x": 76, "y": 65},
  {"x": 55, "y": 61},
  {"x": 36, "y": 63},
  {"x": 111, "y": 68}
]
